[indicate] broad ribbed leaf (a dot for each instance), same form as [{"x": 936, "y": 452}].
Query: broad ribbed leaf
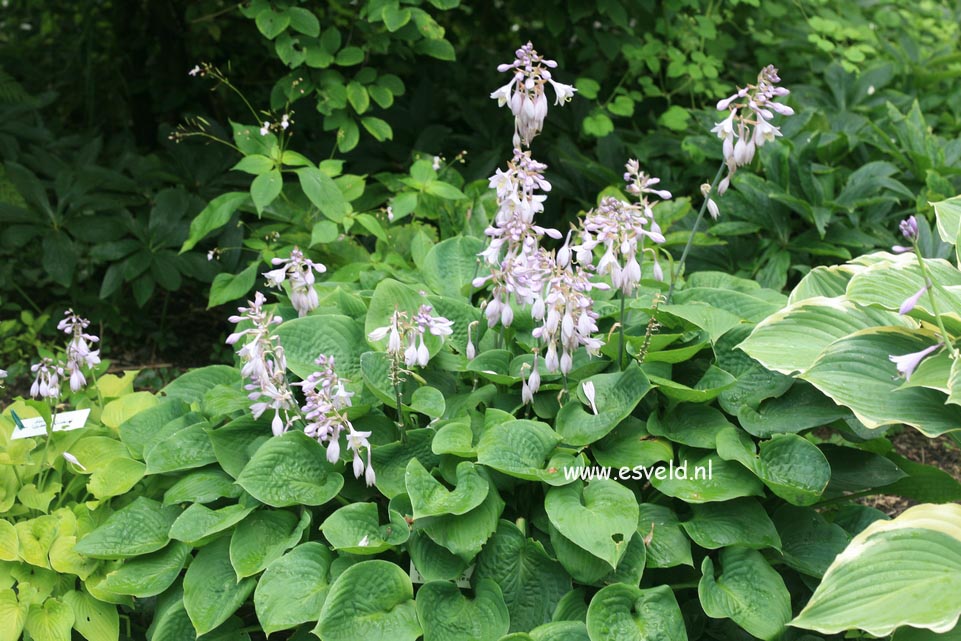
[
  {"x": 291, "y": 469},
  {"x": 293, "y": 588},
  {"x": 447, "y": 615},
  {"x": 628, "y": 613},
  {"x": 342, "y": 337},
  {"x": 140, "y": 528},
  {"x": 211, "y": 589},
  {"x": 600, "y": 517}
]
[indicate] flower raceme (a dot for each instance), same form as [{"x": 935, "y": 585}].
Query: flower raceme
[
  {"x": 525, "y": 93},
  {"x": 50, "y": 372},
  {"x": 748, "y": 123},
  {"x": 299, "y": 271},
  {"x": 325, "y": 413},
  {"x": 264, "y": 364},
  {"x": 405, "y": 335}
]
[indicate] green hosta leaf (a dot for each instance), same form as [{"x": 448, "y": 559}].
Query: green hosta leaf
[
  {"x": 667, "y": 543},
  {"x": 801, "y": 408},
  {"x": 377, "y": 127},
  {"x": 293, "y": 588},
  {"x": 211, "y": 589},
  {"x": 888, "y": 283},
  {"x": 531, "y": 582},
  {"x": 428, "y": 401},
  {"x": 600, "y": 518},
  {"x": 186, "y": 449},
  {"x": 192, "y": 386},
  {"x": 262, "y": 538},
  {"x": 435, "y": 563},
  {"x": 924, "y": 483},
  {"x": 139, "y": 528},
  {"x": 390, "y": 461},
  {"x": 749, "y": 592},
  {"x": 587, "y": 569},
  {"x": 616, "y": 396},
  {"x": 464, "y": 535},
  {"x": 430, "y": 498},
  {"x": 856, "y": 372},
  {"x": 372, "y": 600},
  {"x": 809, "y": 327},
  {"x": 324, "y": 193},
  {"x": 628, "y": 613},
  {"x": 215, "y": 215},
  {"x": 236, "y": 442},
  {"x": 50, "y": 622},
  {"x": 265, "y": 188},
  {"x": 629, "y": 445},
  {"x": 447, "y": 615},
  {"x": 450, "y": 265},
  {"x": 356, "y": 529},
  {"x": 93, "y": 619},
  {"x": 692, "y": 425},
  {"x": 148, "y": 575},
  {"x": 291, "y": 469},
  {"x": 755, "y": 383},
  {"x": 708, "y": 478},
  {"x": 809, "y": 542},
  {"x": 139, "y": 430},
  {"x": 906, "y": 571},
  {"x": 791, "y": 466},
  {"x": 853, "y": 470},
  {"x": 739, "y": 522},
  {"x": 518, "y": 448},
  {"x": 202, "y": 486},
  {"x": 339, "y": 336},
  {"x": 198, "y": 521}
]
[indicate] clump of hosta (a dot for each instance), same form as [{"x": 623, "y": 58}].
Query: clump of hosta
[
  {"x": 50, "y": 372},
  {"x": 325, "y": 414},
  {"x": 298, "y": 270},
  {"x": 405, "y": 334},
  {"x": 748, "y": 124},
  {"x": 525, "y": 93},
  {"x": 264, "y": 364}
]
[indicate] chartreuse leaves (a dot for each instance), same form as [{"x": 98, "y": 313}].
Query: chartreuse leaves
[
  {"x": 93, "y": 619},
  {"x": 293, "y": 588},
  {"x": 291, "y": 469},
  {"x": 628, "y": 613},
  {"x": 372, "y": 600},
  {"x": 211, "y": 589},
  {"x": 906, "y": 571},
  {"x": 600, "y": 517},
  {"x": 748, "y": 591},
  {"x": 447, "y": 615}
]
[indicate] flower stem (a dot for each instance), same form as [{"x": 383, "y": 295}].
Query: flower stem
[
  {"x": 46, "y": 447},
  {"x": 620, "y": 333},
  {"x": 690, "y": 240},
  {"x": 934, "y": 305}
]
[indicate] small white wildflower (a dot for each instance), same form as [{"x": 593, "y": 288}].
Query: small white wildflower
[
  {"x": 73, "y": 459},
  {"x": 265, "y": 129},
  {"x": 194, "y": 71}
]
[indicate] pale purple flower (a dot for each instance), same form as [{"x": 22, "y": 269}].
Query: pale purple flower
[
  {"x": 907, "y": 363},
  {"x": 264, "y": 364},
  {"x": 47, "y": 381},
  {"x": 911, "y": 301},
  {"x": 747, "y": 125},
  {"x": 402, "y": 329},
  {"x": 525, "y": 93},
  {"x": 909, "y": 228},
  {"x": 299, "y": 271},
  {"x": 79, "y": 354}
]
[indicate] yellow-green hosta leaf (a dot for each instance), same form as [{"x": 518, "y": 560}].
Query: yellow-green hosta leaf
[
  {"x": 116, "y": 477},
  {"x": 809, "y": 327},
  {"x": 50, "y": 622},
  {"x": 628, "y": 613},
  {"x": 372, "y": 600},
  {"x": 93, "y": 619},
  {"x": 447, "y": 615},
  {"x": 13, "y": 615},
  {"x": 906, "y": 571},
  {"x": 65, "y": 560},
  {"x": 126, "y": 407},
  {"x": 748, "y": 591},
  {"x": 9, "y": 542},
  {"x": 856, "y": 372}
]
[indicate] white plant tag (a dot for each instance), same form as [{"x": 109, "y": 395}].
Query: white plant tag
[{"x": 63, "y": 422}]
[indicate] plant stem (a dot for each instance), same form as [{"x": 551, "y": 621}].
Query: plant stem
[
  {"x": 620, "y": 333},
  {"x": 690, "y": 240},
  {"x": 934, "y": 306},
  {"x": 46, "y": 447}
]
